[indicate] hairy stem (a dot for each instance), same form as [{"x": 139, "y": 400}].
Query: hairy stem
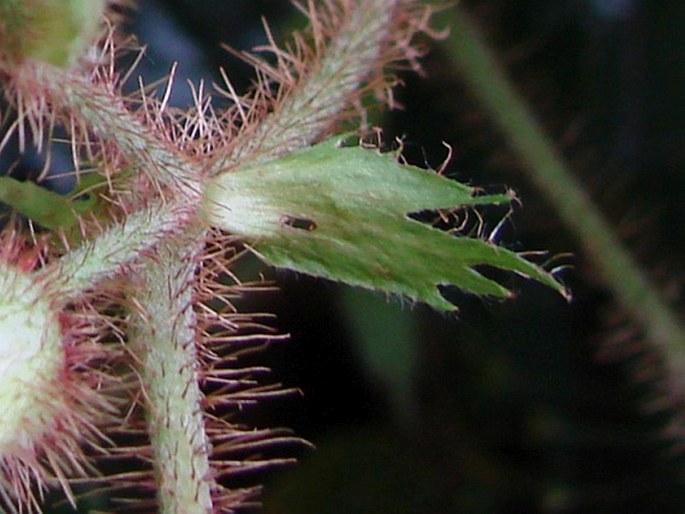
[
  {"x": 116, "y": 247},
  {"x": 164, "y": 340},
  {"x": 164, "y": 335},
  {"x": 488, "y": 82},
  {"x": 303, "y": 115},
  {"x": 315, "y": 102},
  {"x": 107, "y": 116}
]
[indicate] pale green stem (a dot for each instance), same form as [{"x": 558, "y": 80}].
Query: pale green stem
[
  {"x": 488, "y": 82},
  {"x": 165, "y": 336},
  {"x": 283, "y": 131},
  {"x": 106, "y": 114},
  {"x": 164, "y": 340},
  {"x": 107, "y": 254},
  {"x": 325, "y": 91}
]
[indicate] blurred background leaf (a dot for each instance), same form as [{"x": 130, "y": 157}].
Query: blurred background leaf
[{"x": 509, "y": 407}]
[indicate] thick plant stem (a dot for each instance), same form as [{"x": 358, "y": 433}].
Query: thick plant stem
[
  {"x": 488, "y": 82},
  {"x": 116, "y": 247},
  {"x": 106, "y": 114},
  {"x": 320, "y": 97},
  {"x": 163, "y": 337},
  {"x": 315, "y": 102},
  {"x": 165, "y": 343}
]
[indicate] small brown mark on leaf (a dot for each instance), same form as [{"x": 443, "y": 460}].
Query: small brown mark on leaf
[{"x": 298, "y": 223}]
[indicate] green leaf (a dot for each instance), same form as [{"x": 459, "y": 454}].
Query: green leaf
[
  {"x": 53, "y": 31},
  {"x": 47, "y": 208},
  {"x": 342, "y": 213}
]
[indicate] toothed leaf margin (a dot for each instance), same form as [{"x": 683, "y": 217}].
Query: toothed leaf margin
[{"x": 342, "y": 212}]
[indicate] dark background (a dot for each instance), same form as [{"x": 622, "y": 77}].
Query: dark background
[
  {"x": 524, "y": 406},
  {"x": 508, "y": 407}
]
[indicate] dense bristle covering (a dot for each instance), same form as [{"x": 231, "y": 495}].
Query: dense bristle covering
[
  {"x": 321, "y": 76},
  {"x": 226, "y": 335},
  {"x": 58, "y": 391},
  {"x": 150, "y": 330},
  {"x": 193, "y": 386}
]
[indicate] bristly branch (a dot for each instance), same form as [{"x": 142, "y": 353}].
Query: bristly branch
[
  {"x": 99, "y": 107},
  {"x": 322, "y": 76},
  {"x": 109, "y": 253},
  {"x": 183, "y": 334},
  {"x": 349, "y": 39},
  {"x": 163, "y": 337}
]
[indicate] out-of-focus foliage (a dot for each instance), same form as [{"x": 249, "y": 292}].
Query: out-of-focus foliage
[{"x": 514, "y": 411}]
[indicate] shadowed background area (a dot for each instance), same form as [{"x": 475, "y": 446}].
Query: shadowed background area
[{"x": 530, "y": 405}]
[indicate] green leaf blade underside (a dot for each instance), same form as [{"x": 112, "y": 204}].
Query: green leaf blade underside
[
  {"x": 44, "y": 207},
  {"x": 47, "y": 208},
  {"x": 342, "y": 213}
]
